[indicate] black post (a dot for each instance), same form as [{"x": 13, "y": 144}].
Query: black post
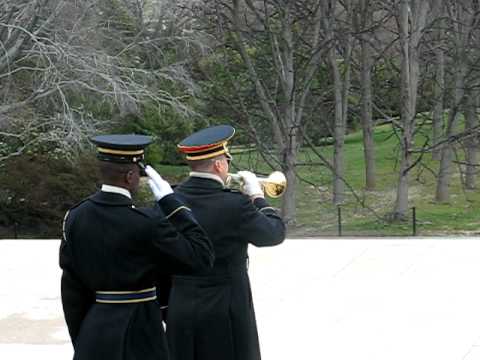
[
  {"x": 15, "y": 230},
  {"x": 414, "y": 221},
  {"x": 339, "y": 215}
]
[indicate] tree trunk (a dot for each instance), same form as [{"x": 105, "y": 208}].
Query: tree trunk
[
  {"x": 339, "y": 136},
  {"x": 460, "y": 69},
  {"x": 341, "y": 86},
  {"x": 412, "y": 18},
  {"x": 471, "y": 144},
  {"x": 289, "y": 209},
  {"x": 438, "y": 90},
  {"x": 442, "y": 194},
  {"x": 401, "y": 202},
  {"x": 366, "y": 103},
  {"x": 445, "y": 169}
]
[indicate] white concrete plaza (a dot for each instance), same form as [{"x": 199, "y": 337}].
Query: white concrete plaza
[{"x": 318, "y": 299}]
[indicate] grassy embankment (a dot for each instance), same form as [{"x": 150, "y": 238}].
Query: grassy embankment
[{"x": 316, "y": 214}]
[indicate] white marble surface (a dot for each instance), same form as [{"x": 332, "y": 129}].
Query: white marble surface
[{"x": 332, "y": 299}]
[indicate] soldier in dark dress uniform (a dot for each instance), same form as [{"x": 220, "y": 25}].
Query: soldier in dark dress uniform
[
  {"x": 211, "y": 314},
  {"x": 112, "y": 255}
]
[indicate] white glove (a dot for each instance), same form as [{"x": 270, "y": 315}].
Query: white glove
[
  {"x": 251, "y": 185},
  {"x": 160, "y": 187}
]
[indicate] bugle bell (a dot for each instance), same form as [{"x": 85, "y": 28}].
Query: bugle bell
[{"x": 273, "y": 186}]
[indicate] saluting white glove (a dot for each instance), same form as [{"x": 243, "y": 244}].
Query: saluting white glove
[
  {"x": 160, "y": 187},
  {"x": 251, "y": 185}
]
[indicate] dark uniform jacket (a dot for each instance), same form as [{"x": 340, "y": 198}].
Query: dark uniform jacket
[
  {"x": 109, "y": 245},
  {"x": 211, "y": 314}
]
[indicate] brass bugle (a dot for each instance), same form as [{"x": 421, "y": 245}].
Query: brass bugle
[{"x": 274, "y": 185}]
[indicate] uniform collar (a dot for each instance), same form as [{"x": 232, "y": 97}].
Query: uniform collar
[
  {"x": 206, "y": 175},
  {"x": 111, "y": 199},
  {"x": 116, "y": 190}
]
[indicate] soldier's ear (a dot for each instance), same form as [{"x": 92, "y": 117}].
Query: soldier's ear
[
  {"x": 129, "y": 175},
  {"x": 217, "y": 164}
]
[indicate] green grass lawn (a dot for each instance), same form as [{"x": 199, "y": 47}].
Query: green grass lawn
[{"x": 316, "y": 215}]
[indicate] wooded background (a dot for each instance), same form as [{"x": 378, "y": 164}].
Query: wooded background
[{"x": 289, "y": 75}]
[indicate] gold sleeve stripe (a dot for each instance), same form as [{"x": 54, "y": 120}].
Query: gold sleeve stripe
[{"x": 177, "y": 210}]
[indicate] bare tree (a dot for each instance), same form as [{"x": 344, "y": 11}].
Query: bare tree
[
  {"x": 471, "y": 143},
  {"x": 341, "y": 83},
  {"x": 462, "y": 21},
  {"x": 439, "y": 81},
  {"x": 472, "y": 100},
  {"x": 364, "y": 23},
  {"x": 86, "y": 50},
  {"x": 412, "y": 20},
  {"x": 290, "y": 34}
]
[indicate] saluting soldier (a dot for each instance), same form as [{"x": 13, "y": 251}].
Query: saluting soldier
[
  {"x": 112, "y": 254},
  {"x": 211, "y": 314}
]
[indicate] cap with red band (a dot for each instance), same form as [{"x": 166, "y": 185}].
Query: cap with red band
[{"x": 207, "y": 143}]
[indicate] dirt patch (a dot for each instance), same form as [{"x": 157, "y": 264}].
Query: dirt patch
[{"x": 18, "y": 329}]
